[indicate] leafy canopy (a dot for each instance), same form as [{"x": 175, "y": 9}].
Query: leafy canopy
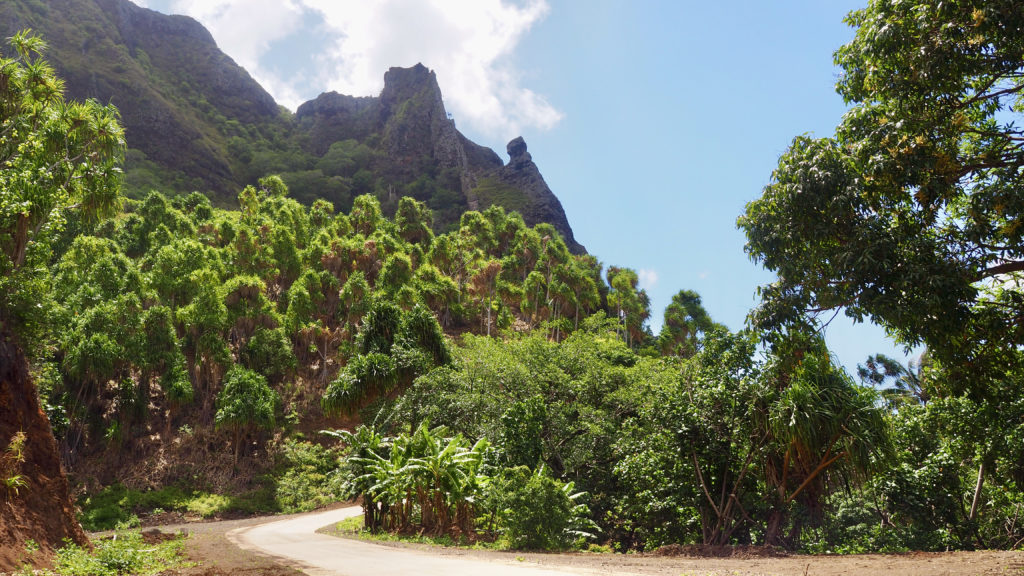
[
  {"x": 55, "y": 156},
  {"x": 911, "y": 214}
]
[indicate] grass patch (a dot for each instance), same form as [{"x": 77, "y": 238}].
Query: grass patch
[
  {"x": 126, "y": 552},
  {"x": 492, "y": 191},
  {"x": 353, "y": 528},
  {"x": 117, "y": 508}
]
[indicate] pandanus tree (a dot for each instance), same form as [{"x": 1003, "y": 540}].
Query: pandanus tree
[
  {"x": 483, "y": 284},
  {"x": 204, "y": 323},
  {"x": 414, "y": 222},
  {"x": 395, "y": 347},
  {"x": 245, "y": 405},
  {"x": 819, "y": 425},
  {"x": 686, "y": 321},
  {"x": 56, "y": 158},
  {"x": 101, "y": 346},
  {"x": 585, "y": 295},
  {"x": 628, "y": 303},
  {"x": 438, "y": 291}
]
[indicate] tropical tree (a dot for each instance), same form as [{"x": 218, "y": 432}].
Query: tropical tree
[
  {"x": 204, "y": 322},
  {"x": 395, "y": 347},
  {"x": 907, "y": 382},
  {"x": 721, "y": 435},
  {"x": 686, "y": 321},
  {"x": 483, "y": 284},
  {"x": 629, "y": 304},
  {"x": 423, "y": 475},
  {"x": 911, "y": 214},
  {"x": 364, "y": 445},
  {"x": 55, "y": 157},
  {"x": 414, "y": 221},
  {"x": 245, "y": 404},
  {"x": 818, "y": 425}
]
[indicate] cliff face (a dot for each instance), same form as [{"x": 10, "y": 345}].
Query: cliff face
[
  {"x": 41, "y": 509},
  {"x": 171, "y": 83},
  {"x": 415, "y": 130},
  {"x": 195, "y": 120}
]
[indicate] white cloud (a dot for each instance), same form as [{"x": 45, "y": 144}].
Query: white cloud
[
  {"x": 245, "y": 30},
  {"x": 468, "y": 43},
  {"x": 646, "y": 279}
]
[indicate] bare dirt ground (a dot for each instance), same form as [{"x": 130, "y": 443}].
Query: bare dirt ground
[{"x": 217, "y": 556}]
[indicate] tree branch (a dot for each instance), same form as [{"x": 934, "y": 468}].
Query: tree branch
[{"x": 1004, "y": 268}]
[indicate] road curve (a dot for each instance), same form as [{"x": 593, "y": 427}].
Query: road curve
[{"x": 296, "y": 543}]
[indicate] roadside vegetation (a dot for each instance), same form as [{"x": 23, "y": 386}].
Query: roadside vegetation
[{"x": 124, "y": 552}]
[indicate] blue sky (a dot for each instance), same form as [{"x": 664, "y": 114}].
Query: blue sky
[{"x": 653, "y": 122}]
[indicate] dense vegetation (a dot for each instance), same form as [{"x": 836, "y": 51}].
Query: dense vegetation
[{"x": 486, "y": 374}]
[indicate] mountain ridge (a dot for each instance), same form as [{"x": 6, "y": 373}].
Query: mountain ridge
[{"x": 195, "y": 120}]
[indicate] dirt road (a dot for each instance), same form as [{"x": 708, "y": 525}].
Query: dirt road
[{"x": 294, "y": 542}]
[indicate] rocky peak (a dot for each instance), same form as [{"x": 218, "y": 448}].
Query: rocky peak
[
  {"x": 517, "y": 154},
  {"x": 416, "y": 123},
  {"x": 401, "y": 84},
  {"x": 522, "y": 174}
]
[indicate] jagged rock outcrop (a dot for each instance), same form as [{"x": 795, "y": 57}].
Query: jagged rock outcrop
[
  {"x": 331, "y": 114},
  {"x": 522, "y": 174},
  {"x": 411, "y": 117},
  {"x": 41, "y": 509}
]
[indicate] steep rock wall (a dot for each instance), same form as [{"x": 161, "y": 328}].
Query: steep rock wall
[{"x": 41, "y": 510}]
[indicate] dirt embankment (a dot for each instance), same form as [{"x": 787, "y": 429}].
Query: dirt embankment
[{"x": 37, "y": 506}]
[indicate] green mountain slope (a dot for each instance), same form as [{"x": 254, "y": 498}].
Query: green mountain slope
[{"x": 195, "y": 120}]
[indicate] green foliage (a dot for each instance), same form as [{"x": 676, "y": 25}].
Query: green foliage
[
  {"x": 245, "y": 401},
  {"x": 686, "y": 321},
  {"x": 123, "y": 553},
  {"x": 522, "y": 429},
  {"x": 396, "y": 347},
  {"x": 54, "y": 155},
  {"x": 538, "y": 512},
  {"x": 176, "y": 385},
  {"x": 269, "y": 352},
  {"x": 424, "y": 481},
  {"x": 117, "y": 507},
  {"x": 11, "y": 479},
  {"x": 910, "y": 214},
  {"x": 492, "y": 191},
  {"x": 309, "y": 480}
]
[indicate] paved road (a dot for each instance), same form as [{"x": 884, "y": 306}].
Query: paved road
[{"x": 295, "y": 542}]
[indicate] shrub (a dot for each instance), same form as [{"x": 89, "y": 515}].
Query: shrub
[
  {"x": 539, "y": 512},
  {"x": 308, "y": 481}
]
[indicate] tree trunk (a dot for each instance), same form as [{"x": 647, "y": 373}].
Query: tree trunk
[
  {"x": 977, "y": 492},
  {"x": 773, "y": 530}
]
